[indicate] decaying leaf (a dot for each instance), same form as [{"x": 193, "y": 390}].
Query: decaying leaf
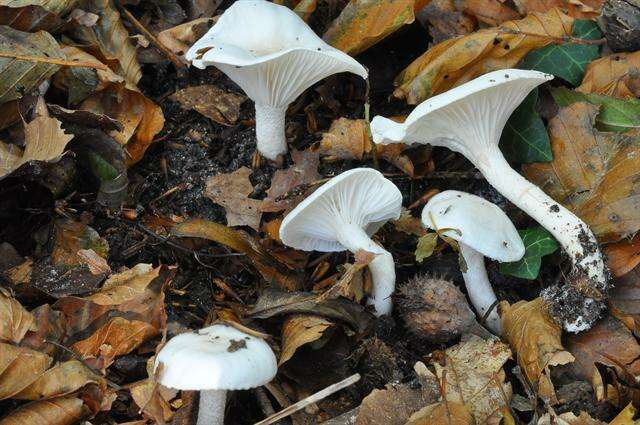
[
  {"x": 179, "y": 38},
  {"x": 271, "y": 269},
  {"x": 445, "y": 21},
  {"x": 490, "y": 12},
  {"x": 587, "y": 9},
  {"x": 594, "y": 174},
  {"x": 149, "y": 400},
  {"x": 60, "y": 380},
  {"x": 456, "y": 61},
  {"x": 15, "y": 320},
  {"x": 624, "y": 301},
  {"x": 288, "y": 186},
  {"x": 472, "y": 376},
  {"x": 58, "y": 411},
  {"x": 616, "y": 75},
  {"x": 19, "y": 367},
  {"x": 232, "y": 191},
  {"x": 299, "y": 329},
  {"x": 390, "y": 406},
  {"x": 70, "y": 238},
  {"x": 623, "y": 256},
  {"x": 443, "y": 412},
  {"x": 535, "y": 338},
  {"x": 363, "y": 23},
  {"x": 33, "y": 15},
  {"x": 211, "y": 101}
]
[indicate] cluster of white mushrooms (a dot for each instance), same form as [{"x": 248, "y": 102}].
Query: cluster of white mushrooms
[{"x": 274, "y": 56}]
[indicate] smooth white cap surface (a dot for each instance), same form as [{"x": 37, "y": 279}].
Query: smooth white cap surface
[
  {"x": 483, "y": 225},
  {"x": 269, "y": 51},
  {"x": 219, "y": 357},
  {"x": 361, "y": 196}
]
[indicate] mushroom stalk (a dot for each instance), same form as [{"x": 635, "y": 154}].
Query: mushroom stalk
[
  {"x": 479, "y": 288},
  {"x": 211, "y": 408},
  {"x": 382, "y": 267},
  {"x": 270, "y": 123}
]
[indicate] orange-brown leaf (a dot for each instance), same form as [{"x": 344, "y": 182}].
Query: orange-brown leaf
[
  {"x": 617, "y": 75},
  {"x": 58, "y": 411},
  {"x": 298, "y": 330},
  {"x": 19, "y": 367},
  {"x": 232, "y": 191},
  {"x": 585, "y": 9},
  {"x": 15, "y": 320},
  {"x": 623, "y": 256}
]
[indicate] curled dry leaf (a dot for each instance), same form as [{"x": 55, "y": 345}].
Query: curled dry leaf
[
  {"x": 60, "y": 380},
  {"x": 15, "y": 320},
  {"x": 535, "y": 338},
  {"x": 461, "y": 59},
  {"x": 617, "y": 75},
  {"x": 179, "y": 38},
  {"x": 390, "y": 406},
  {"x": 232, "y": 191},
  {"x": 594, "y": 174},
  {"x": 288, "y": 186},
  {"x": 298, "y": 330},
  {"x": 363, "y": 23},
  {"x": 58, "y": 411},
  {"x": 148, "y": 397},
  {"x": 219, "y": 105}
]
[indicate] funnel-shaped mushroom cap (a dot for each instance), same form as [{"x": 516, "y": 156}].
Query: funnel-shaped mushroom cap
[
  {"x": 472, "y": 113},
  {"x": 362, "y": 197},
  {"x": 480, "y": 224},
  {"x": 219, "y": 357},
  {"x": 269, "y": 51}
]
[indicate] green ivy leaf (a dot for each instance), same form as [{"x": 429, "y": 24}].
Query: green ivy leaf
[
  {"x": 426, "y": 245},
  {"x": 525, "y": 138},
  {"x": 538, "y": 242},
  {"x": 567, "y": 60},
  {"x": 615, "y": 114}
]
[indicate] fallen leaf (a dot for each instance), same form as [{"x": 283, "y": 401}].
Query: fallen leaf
[
  {"x": 346, "y": 139},
  {"x": 70, "y": 237},
  {"x": 586, "y": 9},
  {"x": 20, "y": 367},
  {"x": 614, "y": 75},
  {"x": 58, "y": 411},
  {"x": 625, "y": 417},
  {"x": 593, "y": 174},
  {"x": 299, "y": 330},
  {"x": 623, "y": 256},
  {"x": 50, "y": 326},
  {"x": 568, "y": 418},
  {"x": 270, "y": 268},
  {"x": 445, "y": 21},
  {"x": 490, "y": 12},
  {"x": 473, "y": 376},
  {"x": 390, "y": 406},
  {"x": 363, "y": 23},
  {"x": 179, "y": 38},
  {"x": 232, "y": 191},
  {"x": 444, "y": 412},
  {"x": 20, "y": 77},
  {"x": 535, "y": 338},
  {"x": 409, "y": 224},
  {"x": 60, "y": 380},
  {"x": 538, "y": 242},
  {"x": 426, "y": 244},
  {"x": 149, "y": 400},
  {"x": 288, "y": 186},
  {"x": 211, "y": 101},
  {"x": 456, "y": 61},
  {"x": 34, "y": 15},
  {"x": 15, "y": 320}
]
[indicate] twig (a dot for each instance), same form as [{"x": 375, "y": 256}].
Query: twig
[
  {"x": 565, "y": 39},
  {"x": 313, "y": 398},
  {"x": 152, "y": 38},
  {"x": 54, "y": 61}
]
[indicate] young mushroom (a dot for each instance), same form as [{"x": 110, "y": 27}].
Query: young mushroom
[
  {"x": 482, "y": 229},
  {"x": 469, "y": 119},
  {"x": 213, "y": 361},
  {"x": 273, "y": 55},
  {"x": 342, "y": 215}
]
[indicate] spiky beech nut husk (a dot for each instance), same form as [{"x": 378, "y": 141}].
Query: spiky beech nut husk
[{"x": 434, "y": 309}]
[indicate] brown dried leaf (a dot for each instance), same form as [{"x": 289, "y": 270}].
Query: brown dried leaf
[
  {"x": 232, "y": 191},
  {"x": 70, "y": 237},
  {"x": 211, "y": 101},
  {"x": 586, "y": 9},
  {"x": 19, "y": 367},
  {"x": 288, "y": 186},
  {"x": 390, "y": 406},
  {"x": 535, "y": 338},
  {"x": 363, "y": 23},
  {"x": 596, "y": 175},
  {"x": 270, "y": 268},
  {"x": 298, "y": 330},
  {"x": 490, "y": 12},
  {"x": 445, "y": 21},
  {"x": 456, "y": 61},
  {"x": 179, "y": 38},
  {"x": 33, "y": 15},
  {"x": 58, "y": 411},
  {"x": 15, "y": 320},
  {"x": 149, "y": 400},
  {"x": 617, "y": 75},
  {"x": 444, "y": 412},
  {"x": 62, "y": 379},
  {"x": 346, "y": 139},
  {"x": 624, "y": 301},
  {"x": 623, "y": 256},
  {"x": 50, "y": 326}
]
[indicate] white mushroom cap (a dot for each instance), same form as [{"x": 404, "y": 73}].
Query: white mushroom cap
[
  {"x": 269, "y": 51},
  {"x": 362, "y": 197},
  {"x": 483, "y": 225},
  {"x": 219, "y": 357}
]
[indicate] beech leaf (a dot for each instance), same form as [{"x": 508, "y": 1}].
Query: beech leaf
[
  {"x": 616, "y": 75},
  {"x": 299, "y": 330}
]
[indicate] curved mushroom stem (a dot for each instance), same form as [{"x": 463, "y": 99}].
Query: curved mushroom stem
[
  {"x": 590, "y": 274},
  {"x": 270, "y": 134},
  {"x": 211, "y": 408},
  {"x": 479, "y": 288},
  {"x": 382, "y": 267}
]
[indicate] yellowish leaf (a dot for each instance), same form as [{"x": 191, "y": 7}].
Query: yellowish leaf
[
  {"x": 62, "y": 379},
  {"x": 15, "y": 320},
  {"x": 426, "y": 245},
  {"x": 19, "y": 367},
  {"x": 616, "y": 75},
  {"x": 299, "y": 330},
  {"x": 625, "y": 417},
  {"x": 147, "y": 396},
  {"x": 58, "y": 411}
]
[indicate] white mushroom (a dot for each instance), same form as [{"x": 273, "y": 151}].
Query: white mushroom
[
  {"x": 214, "y": 360},
  {"x": 342, "y": 215},
  {"x": 469, "y": 119},
  {"x": 482, "y": 229},
  {"x": 273, "y": 55}
]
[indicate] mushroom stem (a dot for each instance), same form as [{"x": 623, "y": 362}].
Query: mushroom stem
[
  {"x": 211, "y": 408},
  {"x": 382, "y": 267},
  {"x": 479, "y": 288},
  {"x": 270, "y": 134}
]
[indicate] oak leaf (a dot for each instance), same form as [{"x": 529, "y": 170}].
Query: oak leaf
[
  {"x": 232, "y": 191},
  {"x": 617, "y": 75}
]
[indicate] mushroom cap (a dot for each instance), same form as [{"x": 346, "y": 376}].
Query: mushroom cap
[
  {"x": 269, "y": 51},
  {"x": 483, "y": 225},
  {"x": 219, "y": 357},
  {"x": 472, "y": 113},
  {"x": 361, "y": 196}
]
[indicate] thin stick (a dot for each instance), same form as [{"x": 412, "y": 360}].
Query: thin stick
[
  {"x": 313, "y": 398},
  {"x": 63, "y": 62},
  {"x": 152, "y": 38}
]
